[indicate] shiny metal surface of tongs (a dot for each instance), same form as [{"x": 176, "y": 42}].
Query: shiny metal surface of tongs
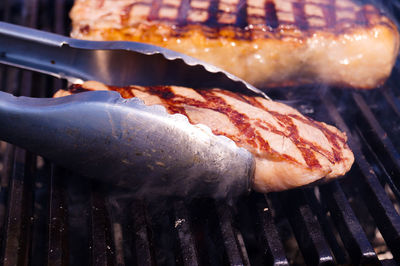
[
  {"x": 113, "y": 63},
  {"x": 123, "y": 142}
]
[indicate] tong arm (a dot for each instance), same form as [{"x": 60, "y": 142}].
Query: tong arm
[
  {"x": 113, "y": 63},
  {"x": 128, "y": 144}
]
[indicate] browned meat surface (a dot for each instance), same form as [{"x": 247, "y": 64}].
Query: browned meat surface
[
  {"x": 290, "y": 149},
  {"x": 266, "y": 42}
]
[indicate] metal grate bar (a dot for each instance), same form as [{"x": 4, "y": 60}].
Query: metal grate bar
[
  {"x": 313, "y": 196},
  {"x": 7, "y": 161},
  {"x": 377, "y": 200},
  {"x": 119, "y": 244},
  {"x": 29, "y": 19},
  {"x": 8, "y": 156},
  {"x": 16, "y": 244},
  {"x": 59, "y": 12},
  {"x": 381, "y": 208},
  {"x": 160, "y": 219},
  {"x": 19, "y": 213},
  {"x": 351, "y": 233},
  {"x": 306, "y": 228},
  {"x": 101, "y": 248},
  {"x": 207, "y": 232},
  {"x": 41, "y": 213},
  {"x": 57, "y": 229},
  {"x": 9, "y": 84},
  {"x": 273, "y": 245},
  {"x": 388, "y": 262},
  {"x": 392, "y": 100},
  {"x": 12, "y": 11},
  {"x": 78, "y": 201},
  {"x": 385, "y": 145},
  {"x": 142, "y": 245},
  {"x": 30, "y": 13},
  {"x": 228, "y": 235},
  {"x": 3, "y": 8},
  {"x": 354, "y": 238},
  {"x": 186, "y": 242},
  {"x": 382, "y": 173},
  {"x": 241, "y": 245},
  {"x": 5, "y": 177}
]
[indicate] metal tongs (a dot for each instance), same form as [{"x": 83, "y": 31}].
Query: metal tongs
[{"x": 123, "y": 142}]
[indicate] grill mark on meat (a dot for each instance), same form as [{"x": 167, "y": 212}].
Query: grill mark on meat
[
  {"x": 241, "y": 11},
  {"x": 167, "y": 96},
  {"x": 271, "y": 19},
  {"x": 100, "y": 3},
  {"x": 365, "y": 15},
  {"x": 126, "y": 14},
  {"x": 361, "y": 17},
  {"x": 175, "y": 104},
  {"x": 333, "y": 138},
  {"x": 294, "y": 136},
  {"x": 238, "y": 96},
  {"x": 213, "y": 102},
  {"x": 183, "y": 12},
  {"x": 301, "y": 143},
  {"x": 212, "y": 20},
  {"x": 164, "y": 93},
  {"x": 77, "y": 88},
  {"x": 309, "y": 159},
  {"x": 84, "y": 29},
  {"x": 240, "y": 120},
  {"x": 154, "y": 10},
  {"x": 329, "y": 12},
  {"x": 370, "y": 14},
  {"x": 300, "y": 15},
  {"x": 125, "y": 92},
  {"x": 218, "y": 104}
]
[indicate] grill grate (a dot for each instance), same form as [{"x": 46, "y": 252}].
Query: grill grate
[{"x": 49, "y": 216}]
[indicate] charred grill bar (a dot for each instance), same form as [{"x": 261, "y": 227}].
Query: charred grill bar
[{"x": 49, "y": 216}]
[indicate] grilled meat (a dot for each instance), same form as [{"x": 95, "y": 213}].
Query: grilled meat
[
  {"x": 290, "y": 149},
  {"x": 266, "y": 42}
]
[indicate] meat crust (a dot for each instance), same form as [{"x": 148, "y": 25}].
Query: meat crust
[
  {"x": 268, "y": 43},
  {"x": 290, "y": 149}
]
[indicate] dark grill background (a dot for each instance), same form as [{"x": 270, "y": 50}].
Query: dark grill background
[{"x": 49, "y": 216}]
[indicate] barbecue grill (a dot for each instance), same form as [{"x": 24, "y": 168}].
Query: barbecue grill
[{"x": 50, "y": 216}]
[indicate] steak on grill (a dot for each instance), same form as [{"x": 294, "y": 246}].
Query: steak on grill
[
  {"x": 265, "y": 42},
  {"x": 290, "y": 149}
]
